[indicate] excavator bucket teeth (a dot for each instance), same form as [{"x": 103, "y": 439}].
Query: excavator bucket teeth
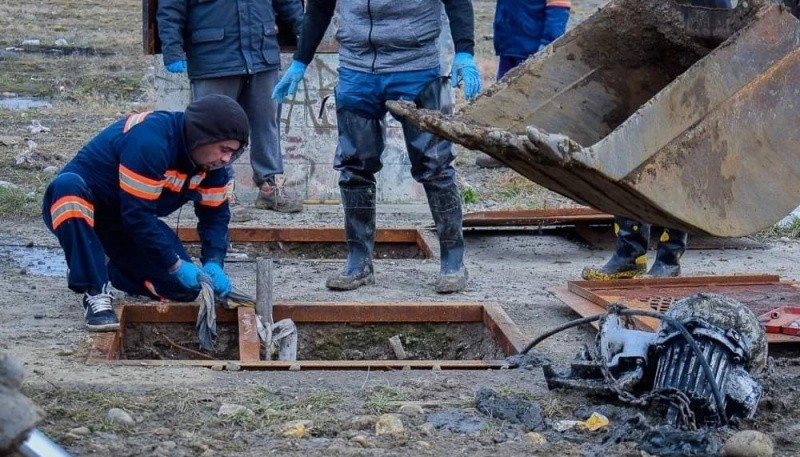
[{"x": 676, "y": 115}]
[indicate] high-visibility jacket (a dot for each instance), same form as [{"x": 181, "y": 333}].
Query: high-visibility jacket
[{"x": 139, "y": 169}]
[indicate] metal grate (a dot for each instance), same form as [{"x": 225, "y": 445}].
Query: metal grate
[{"x": 658, "y": 303}]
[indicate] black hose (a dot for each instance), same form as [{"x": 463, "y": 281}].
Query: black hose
[{"x": 640, "y": 312}]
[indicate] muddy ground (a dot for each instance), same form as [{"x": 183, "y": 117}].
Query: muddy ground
[{"x": 186, "y": 412}]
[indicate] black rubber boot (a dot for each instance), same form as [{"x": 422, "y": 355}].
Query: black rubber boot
[
  {"x": 359, "y": 228},
  {"x": 630, "y": 254},
  {"x": 445, "y": 203},
  {"x": 671, "y": 247}
]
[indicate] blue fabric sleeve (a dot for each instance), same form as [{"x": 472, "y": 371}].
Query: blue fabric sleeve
[
  {"x": 292, "y": 13},
  {"x": 212, "y": 221},
  {"x": 555, "y": 24},
  {"x": 171, "y": 20}
]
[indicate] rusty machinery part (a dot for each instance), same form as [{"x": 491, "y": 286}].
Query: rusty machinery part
[{"x": 700, "y": 363}]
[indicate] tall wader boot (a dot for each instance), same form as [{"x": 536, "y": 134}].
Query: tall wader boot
[
  {"x": 431, "y": 164},
  {"x": 671, "y": 247},
  {"x": 630, "y": 254},
  {"x": 445, "y": 203},
  {"x": 361, "y": 142},
  {"x": 359, "y": 228}
]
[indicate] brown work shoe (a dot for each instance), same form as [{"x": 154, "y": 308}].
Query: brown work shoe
[
  {"x": 487, "y": 161},
  {"x": 238, "y": 212},
  {"x": 274, "y": 196}
]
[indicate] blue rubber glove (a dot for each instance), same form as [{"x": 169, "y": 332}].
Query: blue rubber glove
[
  {"x": 187, "y": 274},
  {"x": 222, "y": 285},
  {"x": 287, "y": 86},
  {"x": 464, "y": 69},
  {"x": 179, "y": 66}
]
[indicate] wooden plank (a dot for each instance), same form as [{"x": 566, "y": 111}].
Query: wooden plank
[
  {"x": 249, "y": 343},
  {"x": 368, "y": 313},
  {"x": 503, "y": 329},
  {"x": 171, "y": 312},
  {"x": 328, "y": 364},
  {"x": 586, "y": 308}
]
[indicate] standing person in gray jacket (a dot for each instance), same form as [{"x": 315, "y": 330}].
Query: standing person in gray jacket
[
  {"x": 231, "y": 48},
  {"x": 389, "y": 51}
]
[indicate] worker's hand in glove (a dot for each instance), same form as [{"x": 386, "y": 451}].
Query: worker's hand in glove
[
  {"x": 222, "y": 285},
  {"x": 187, "y": 274},
  {"x": 287, "y": 86},
  {"x": 179, "y": 66},
  {"x": 464, "y": 69}
]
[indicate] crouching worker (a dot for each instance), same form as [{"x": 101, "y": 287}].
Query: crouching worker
[{"x": 104, "y": 205}]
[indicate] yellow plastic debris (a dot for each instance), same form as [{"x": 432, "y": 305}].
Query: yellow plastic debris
[
  {"x": 295, "y": 429},
  {"x": 595, "y": 422}
]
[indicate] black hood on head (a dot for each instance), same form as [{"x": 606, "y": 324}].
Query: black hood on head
[{"x": 215, "y": 118}]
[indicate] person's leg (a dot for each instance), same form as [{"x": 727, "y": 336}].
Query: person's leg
[
  {"x": 230, "y": 86},
  {"x": 360, "y": 115},
  {"x": 630, "y": 254},
  {"x": 265, "y": 147},
  {"x": 431, "y": 165},
  {"x": 671, "y": 246},
  {"x": 68, "y": 211},
  {"x": 135, "y": 273}
]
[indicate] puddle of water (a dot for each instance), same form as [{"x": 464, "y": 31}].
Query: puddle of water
[
  {"x": 37, "y": 260},
  {"x": 20, "y": 103}
]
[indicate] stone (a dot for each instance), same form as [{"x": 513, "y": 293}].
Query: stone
[
  {"x": 748, "y": 443},
  {"x": 120, "y": 416},
  {"x": 411, "y": 410},
  {"x": 232, "y": 409},
  {"x": 362, "y": 441},
  {"x": 233, "y": 366},
  {"x": 427, "y": 429},
  {"x": 80, "y": 431},
  {"x": 390, "y": 424},
  {"x": 363, "y": 422},
  {"x": 423, "y": 444},
  {"x": 536, "y": 438}
]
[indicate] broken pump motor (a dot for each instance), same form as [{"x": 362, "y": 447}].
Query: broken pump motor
[{"x": 703, "y": 363}]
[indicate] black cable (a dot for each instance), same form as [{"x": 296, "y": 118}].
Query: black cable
[
  {"x": 637, "y": 312},
  {"x": 560, "y": 328}
]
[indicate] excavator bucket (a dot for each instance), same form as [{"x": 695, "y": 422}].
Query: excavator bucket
[{"x": 681, "y": 116}]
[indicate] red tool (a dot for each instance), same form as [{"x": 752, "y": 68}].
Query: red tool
[{"x": 785, "y": 319}]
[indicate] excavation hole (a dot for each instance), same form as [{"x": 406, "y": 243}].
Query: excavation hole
[
  {"x": 425, "y": 341},
  {"x": 176, "y": 341}
]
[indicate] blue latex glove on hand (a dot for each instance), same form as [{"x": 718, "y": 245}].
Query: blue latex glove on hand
[
  {"x": 464, "y": 69},
  {"x": 179, "y": 66},
  {"x": 287, "y": 86},
  {"x": 188, "y": 274},
  {"x": 221, "y": 282}
]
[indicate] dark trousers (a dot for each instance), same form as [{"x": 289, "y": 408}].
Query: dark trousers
[{"x": 88, "y": 233}]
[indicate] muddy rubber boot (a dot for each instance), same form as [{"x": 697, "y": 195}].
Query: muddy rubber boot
[
  {"x": 630, "y": 254},
  {"x": 671, "y": 247},
  {"x": 359, "y": 227},
  {"x": 445, "y": 203}
]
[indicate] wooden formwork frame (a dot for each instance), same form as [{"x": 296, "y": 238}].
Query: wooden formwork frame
[
  {"x": 106, "y": 346},
  {"x": 314, "y": 235},
  {"x": 593, "y": 297}
]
